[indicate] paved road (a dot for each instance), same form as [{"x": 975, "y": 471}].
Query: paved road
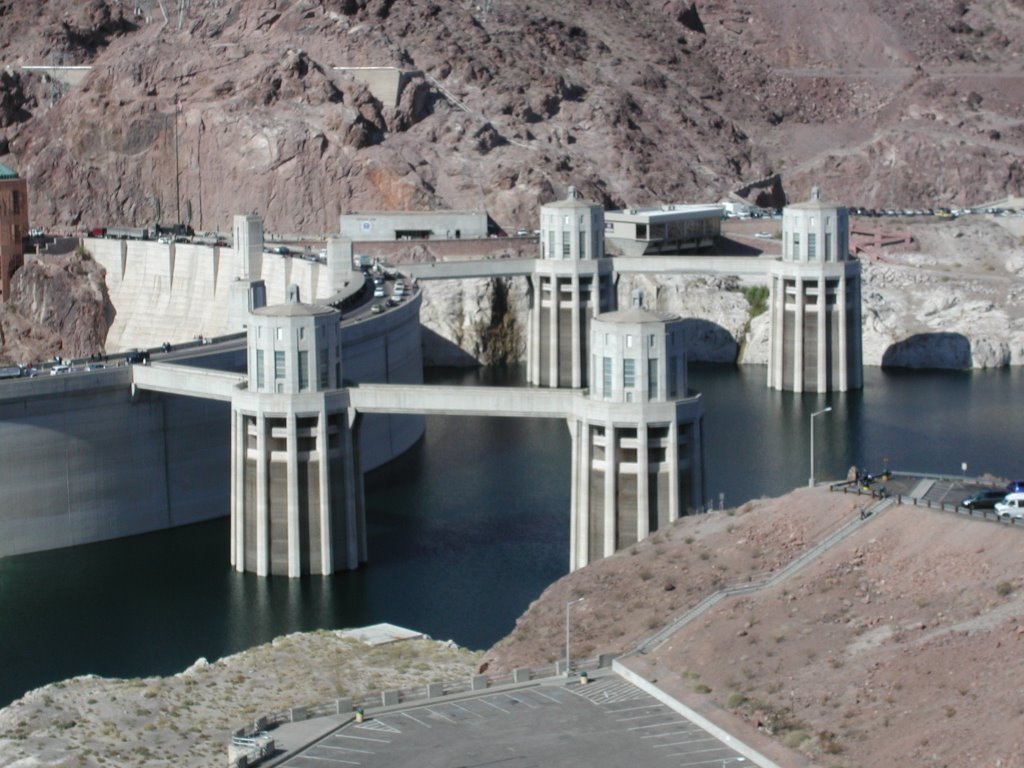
[{"x": 608, "y": 723}]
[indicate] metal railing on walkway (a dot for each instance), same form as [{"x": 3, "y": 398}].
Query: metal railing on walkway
[{"x": 769, "y": 580}]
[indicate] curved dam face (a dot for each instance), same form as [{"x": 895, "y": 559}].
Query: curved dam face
[{"x": 87, "y": 460}]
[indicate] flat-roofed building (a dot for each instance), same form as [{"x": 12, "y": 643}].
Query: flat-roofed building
[
  {"x": 414, "y": 225},
  {"x": 13, "y": 226},
  {"x": 672, "y": 228}
]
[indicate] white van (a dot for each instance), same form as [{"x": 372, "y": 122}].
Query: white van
[{"x": 1011, "y": 507}]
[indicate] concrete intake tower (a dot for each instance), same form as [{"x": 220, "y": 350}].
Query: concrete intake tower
[
  {"x": 815, "y": 303},
  {"x": 296, "y": 488}
]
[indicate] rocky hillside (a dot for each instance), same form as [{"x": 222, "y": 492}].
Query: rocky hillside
[
  {"x": 900, "y": 646},
  {"x": 882, "y": 103},
  {"x": 58, "y": 306}
]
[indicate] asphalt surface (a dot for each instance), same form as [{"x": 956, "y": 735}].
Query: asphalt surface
[{"x": 607, "y": 723}]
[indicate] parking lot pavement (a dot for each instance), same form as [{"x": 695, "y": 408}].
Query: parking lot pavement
[{"x": 608, "y": 722}]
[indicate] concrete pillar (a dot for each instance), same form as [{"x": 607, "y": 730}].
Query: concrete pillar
[
  {"x": 610, "y": 471},
  {"x": 351, "y": 528},
  {"x": 844, "y": 368},
  {"x": 292, "y": 473},
  {"x": 574, "y": 475},
  {"x": 673, "y": 476},
  {"x": 533, "y": 352},
  {"x": 552, "y": 361},
  {"x": 238, "y": 455},
  {"x": 822, "y": 377},
  {"x": 583, "y": 505},
  {"x": 324, "y": 476},
  {"x": 574, "y": 303},
  {"x": 262, "y": 502},
  {"x": 643, "y": 498},
  {"x": 798, "y": 338}
]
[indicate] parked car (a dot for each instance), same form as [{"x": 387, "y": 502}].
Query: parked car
[
  {"x": 1011, "y": 507},
  {"x": 377, "y": 309},
  {"x": 57, "y": 370},
  {"x": 136, "y": 356},
  {"x": 378, "y": 292},
  {"x": 94, "y": 366},
  {"x": 983, "y": 500}
]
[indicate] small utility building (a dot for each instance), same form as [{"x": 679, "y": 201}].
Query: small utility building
[
  {"x": 673, "y": 228},
  {"x": 414, "y": 225}
]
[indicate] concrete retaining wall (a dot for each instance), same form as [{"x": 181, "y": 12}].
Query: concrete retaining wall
[{"x": 84, "y": 461}]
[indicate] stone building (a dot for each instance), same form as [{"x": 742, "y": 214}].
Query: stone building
[
  {"x": 13, "y": 226},
  {"x": 815, "y": 303}
]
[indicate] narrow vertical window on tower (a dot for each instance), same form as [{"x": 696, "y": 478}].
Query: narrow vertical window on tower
[
  {"x": 15, "y": 202},
  {"x": 323, "y": 369},
  {"x": 828, "y": 246},
  {"x": 812, "y": 246},
  {"x": 652, "y": 378},
  {"x": 303, "y": 370},
  {"x": 260, "y": 374},
  {"x": 551, "y": 244},
  {"x": 796, "y": 245},
  {"x": 606, "y": 378},
  {"x": 583, "y": 243},
  {"x": 629, "y": 373},
  {"x": 279, "y": 365}
]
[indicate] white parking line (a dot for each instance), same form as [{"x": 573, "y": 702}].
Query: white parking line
[
  {"x": 719, "y": 748},
  {"x": 673, "y": 723},
  {"x": 680, "y": 732},
  {"x": 361, "y": 738},
  {"x": 327, "y": 759},
  {"x": 467, "y": 711},
  {"x": 520, "y": 701},
  {"x": 617, "y": 711},
  {"x": 416, "y": 720},
  {"x": 492, "y": 704},
  {"x": 345, "y": 749},
  {"x": 639, "y": 717},
  {"x": 552, "y": 699},
  {"x": 714, "y": 761},
  {"x": 442, "y": 715}
]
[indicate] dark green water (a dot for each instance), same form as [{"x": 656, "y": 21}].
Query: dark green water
[{"x": 469, "y": 527}]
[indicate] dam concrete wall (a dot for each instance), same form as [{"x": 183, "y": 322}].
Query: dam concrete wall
[
  {"x": 85, "y": 460},
  {"x": 177, "y": 291}
]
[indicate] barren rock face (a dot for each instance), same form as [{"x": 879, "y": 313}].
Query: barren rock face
[
  {"x": 57, "y": 307},
  {"x": 631, "y": 103}
]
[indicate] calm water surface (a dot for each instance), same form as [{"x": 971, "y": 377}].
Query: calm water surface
[{"x": 469, "y": 527}]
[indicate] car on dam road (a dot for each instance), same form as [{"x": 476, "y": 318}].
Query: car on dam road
[{"x": 983, "y": 499}]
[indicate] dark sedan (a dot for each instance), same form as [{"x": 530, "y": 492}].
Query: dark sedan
[{"x": 983, "y": 500}]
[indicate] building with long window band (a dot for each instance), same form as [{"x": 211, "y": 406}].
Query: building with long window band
[
  {"x": 636, "y": 436},
  {"x": 815, "y": 303}
]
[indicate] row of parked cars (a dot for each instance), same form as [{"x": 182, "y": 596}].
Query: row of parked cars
[{"x": 1008, "y": 503}]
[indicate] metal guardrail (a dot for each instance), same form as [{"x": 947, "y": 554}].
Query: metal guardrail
[
  {"x": 378, "y": 700},
  {"x": 771, "y": 579}
]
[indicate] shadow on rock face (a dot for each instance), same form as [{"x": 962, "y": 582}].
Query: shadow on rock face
[
  {"x": 709, "y": 342},
  {"x": 930, "y": 350}
]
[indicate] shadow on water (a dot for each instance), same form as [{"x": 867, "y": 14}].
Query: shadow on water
[{"x": 470, "y": 526}]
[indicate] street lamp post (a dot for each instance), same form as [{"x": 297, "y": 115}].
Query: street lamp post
[
  {"x": 816, "y": 413},
  {"x": 568, "y": 658}
]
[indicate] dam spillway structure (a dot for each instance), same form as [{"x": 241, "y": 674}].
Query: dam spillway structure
[
  {"x": 572, "y": 282},
  {"x": 296, "y": 489},
  {"x": 637, "y": 435},
  {"x": 815, "y": 304}
]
